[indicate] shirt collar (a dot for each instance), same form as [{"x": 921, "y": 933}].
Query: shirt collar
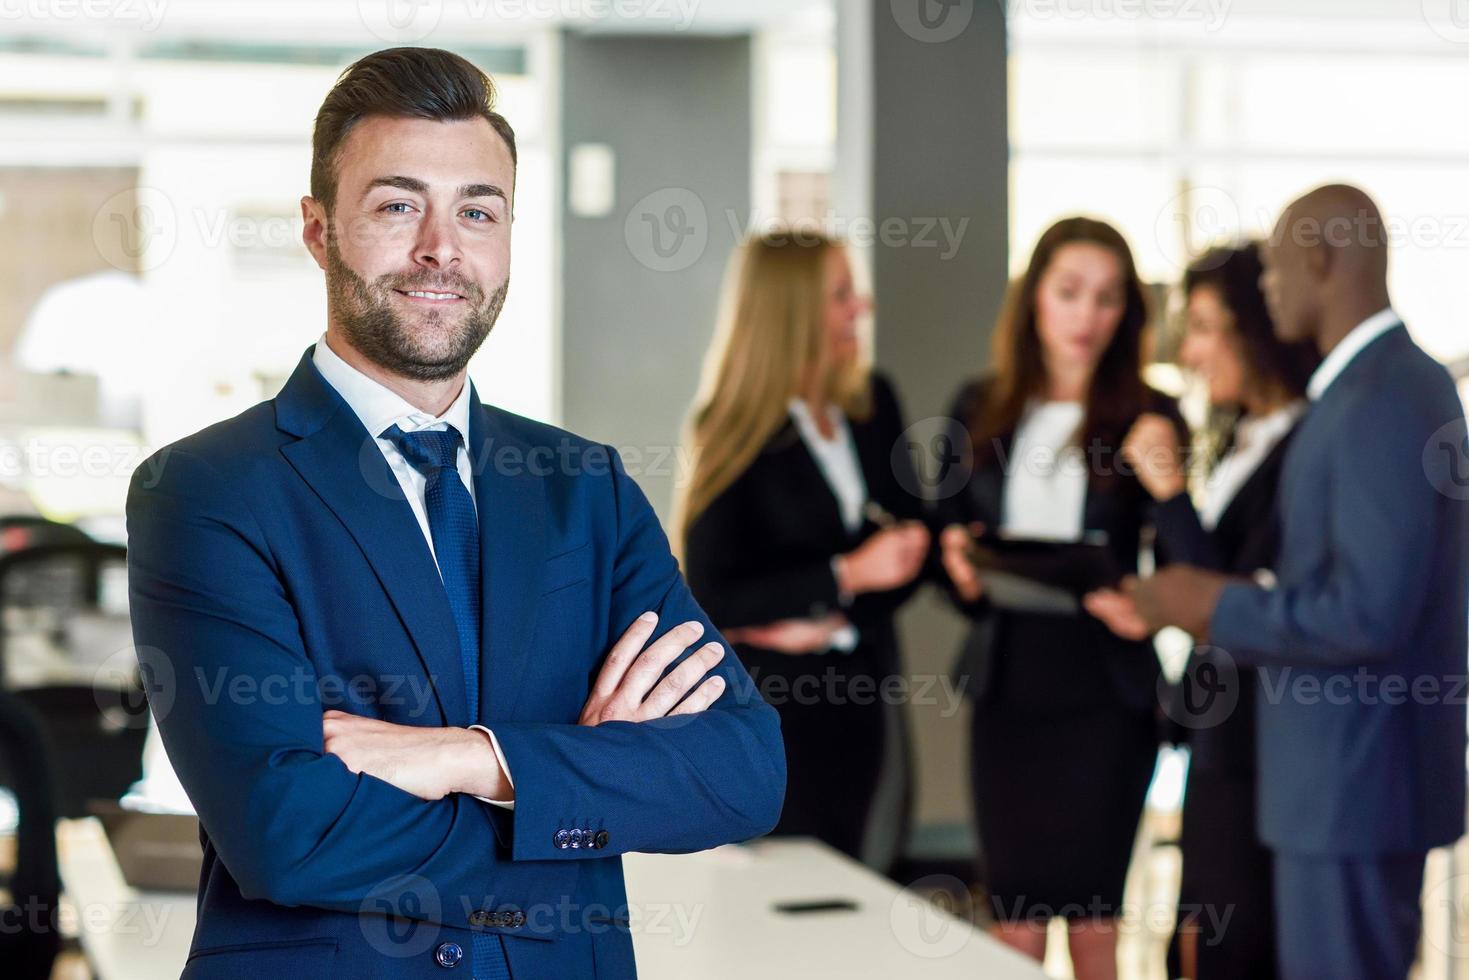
[
  {"x": 1348, "y": 348},
  {"x": 1253, "y": 429},
  {"x": 379, "y": 406}
]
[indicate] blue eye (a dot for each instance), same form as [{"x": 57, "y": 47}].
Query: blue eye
[
  {"x": 480, "y": 211},
  {"x": 396, "y": 204}
]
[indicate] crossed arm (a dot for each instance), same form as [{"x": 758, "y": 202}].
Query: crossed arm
[{"x": 295, "y": 825}]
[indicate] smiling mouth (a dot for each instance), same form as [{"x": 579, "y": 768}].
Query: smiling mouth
[{"x": 428, "y": 296}]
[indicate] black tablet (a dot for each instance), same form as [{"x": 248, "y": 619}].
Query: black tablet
[{"x": 1037, "y": 575}]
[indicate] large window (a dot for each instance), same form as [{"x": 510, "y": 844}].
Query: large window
[
  {"x": 153, "y": 249},
  {"x": 1189, "y": 132}
]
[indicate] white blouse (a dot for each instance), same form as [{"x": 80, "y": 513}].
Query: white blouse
[
  {"x": 1046, "y": 478},
  {"x": 1254, "y": 438},
  {"x": 836, "y": 458}
]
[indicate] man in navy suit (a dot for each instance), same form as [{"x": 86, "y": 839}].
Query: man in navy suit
[
  {"x": 425, "y": 668},
  {"x": 1361, "y": 637}
]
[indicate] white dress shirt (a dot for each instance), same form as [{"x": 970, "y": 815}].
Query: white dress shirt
[
  {"x": 837, "y": 460},
  {"x": 1348, "y": 348},
  {"x": 1254, "y": 438},
  {"x": 380, "y": 408},
  {"x": 1045, "y": 489}
]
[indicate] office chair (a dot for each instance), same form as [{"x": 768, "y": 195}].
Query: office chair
[
  {"x": 19, "y": 531},
  {"x": 29, "y": 933},
  {"x": 95, "y": 725}
]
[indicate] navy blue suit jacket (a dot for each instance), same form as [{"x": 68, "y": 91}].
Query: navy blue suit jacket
[
  {"x": 1372, "y": 599},
  {"x": 276, "y": 570}
]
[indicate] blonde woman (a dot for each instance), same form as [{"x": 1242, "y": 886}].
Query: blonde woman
[{"x": 799, "y": 532}]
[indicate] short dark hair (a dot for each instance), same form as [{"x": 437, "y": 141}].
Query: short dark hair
[{"x": 423, "y": 83}]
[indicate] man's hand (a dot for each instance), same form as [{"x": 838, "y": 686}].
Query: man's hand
[
  {"x": 795, "y": 636},
  {"x": 1118, "y": 612},
  {"x": 628, "y": 688},
  {"x": 430, "y": 763},
  {"x": 1178, "y": 595}
]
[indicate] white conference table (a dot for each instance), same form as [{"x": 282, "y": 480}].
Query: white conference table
[{"x": 707, "y": 915}]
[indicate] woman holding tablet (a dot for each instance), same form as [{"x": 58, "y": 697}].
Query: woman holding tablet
[
  {"x": 1256, "y": 387},
  {"x": 1064, "y": 734}
]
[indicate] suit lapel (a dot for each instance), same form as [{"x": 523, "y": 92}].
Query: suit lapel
[
  {"x": 510, "y": 497},
  {"x": 344, "y": 466}
]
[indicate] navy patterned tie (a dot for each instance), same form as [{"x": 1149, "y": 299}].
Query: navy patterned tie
[{"x": 455, "y": 532}]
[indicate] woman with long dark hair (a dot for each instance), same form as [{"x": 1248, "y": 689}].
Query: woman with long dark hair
[
  {"x": 1256, "y": 387},
  {"x": 1064, "y": 735}
]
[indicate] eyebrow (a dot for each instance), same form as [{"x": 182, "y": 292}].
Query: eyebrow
[{"x": 421, "y": 187}]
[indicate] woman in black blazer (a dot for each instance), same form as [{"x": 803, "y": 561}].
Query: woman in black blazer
[
  {"x": 1064, "y": 737},
  {"x": 1256, "y": 386},
  {"x": 802, "y": 530}
]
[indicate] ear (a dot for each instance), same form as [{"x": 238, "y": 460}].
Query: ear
[
  {"x": 316, "y": 226},
  {"x": 1320, "y": 259}
]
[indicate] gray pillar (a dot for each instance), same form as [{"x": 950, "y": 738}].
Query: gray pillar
[
  {"x": 640, "y": 284},
  {"x": 924, "y": 152}
]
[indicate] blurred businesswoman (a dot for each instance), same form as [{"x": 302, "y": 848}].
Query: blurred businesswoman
[
  {"x": 1256, "y": 389},
  {"x": 1064, "y": 730},
  {"x": 802, "y": 532}
]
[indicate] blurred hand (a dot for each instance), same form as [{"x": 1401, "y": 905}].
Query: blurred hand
[
  {"x": 1118, "y": 612},
  {"x": 954, "y": 544},
  {"x": 628, "y": 686},
  {"x": 1152, "y": 450},
  {"x": 889, "y": 559},
  {"x": 795, "y": 636},
  {"x": 1178, "y": 595}
]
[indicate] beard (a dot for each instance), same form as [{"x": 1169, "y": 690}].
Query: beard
[{"x": 436, "y": 347}]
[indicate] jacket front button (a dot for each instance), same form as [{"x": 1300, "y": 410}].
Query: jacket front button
[{"x": 448, "y": 955}]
